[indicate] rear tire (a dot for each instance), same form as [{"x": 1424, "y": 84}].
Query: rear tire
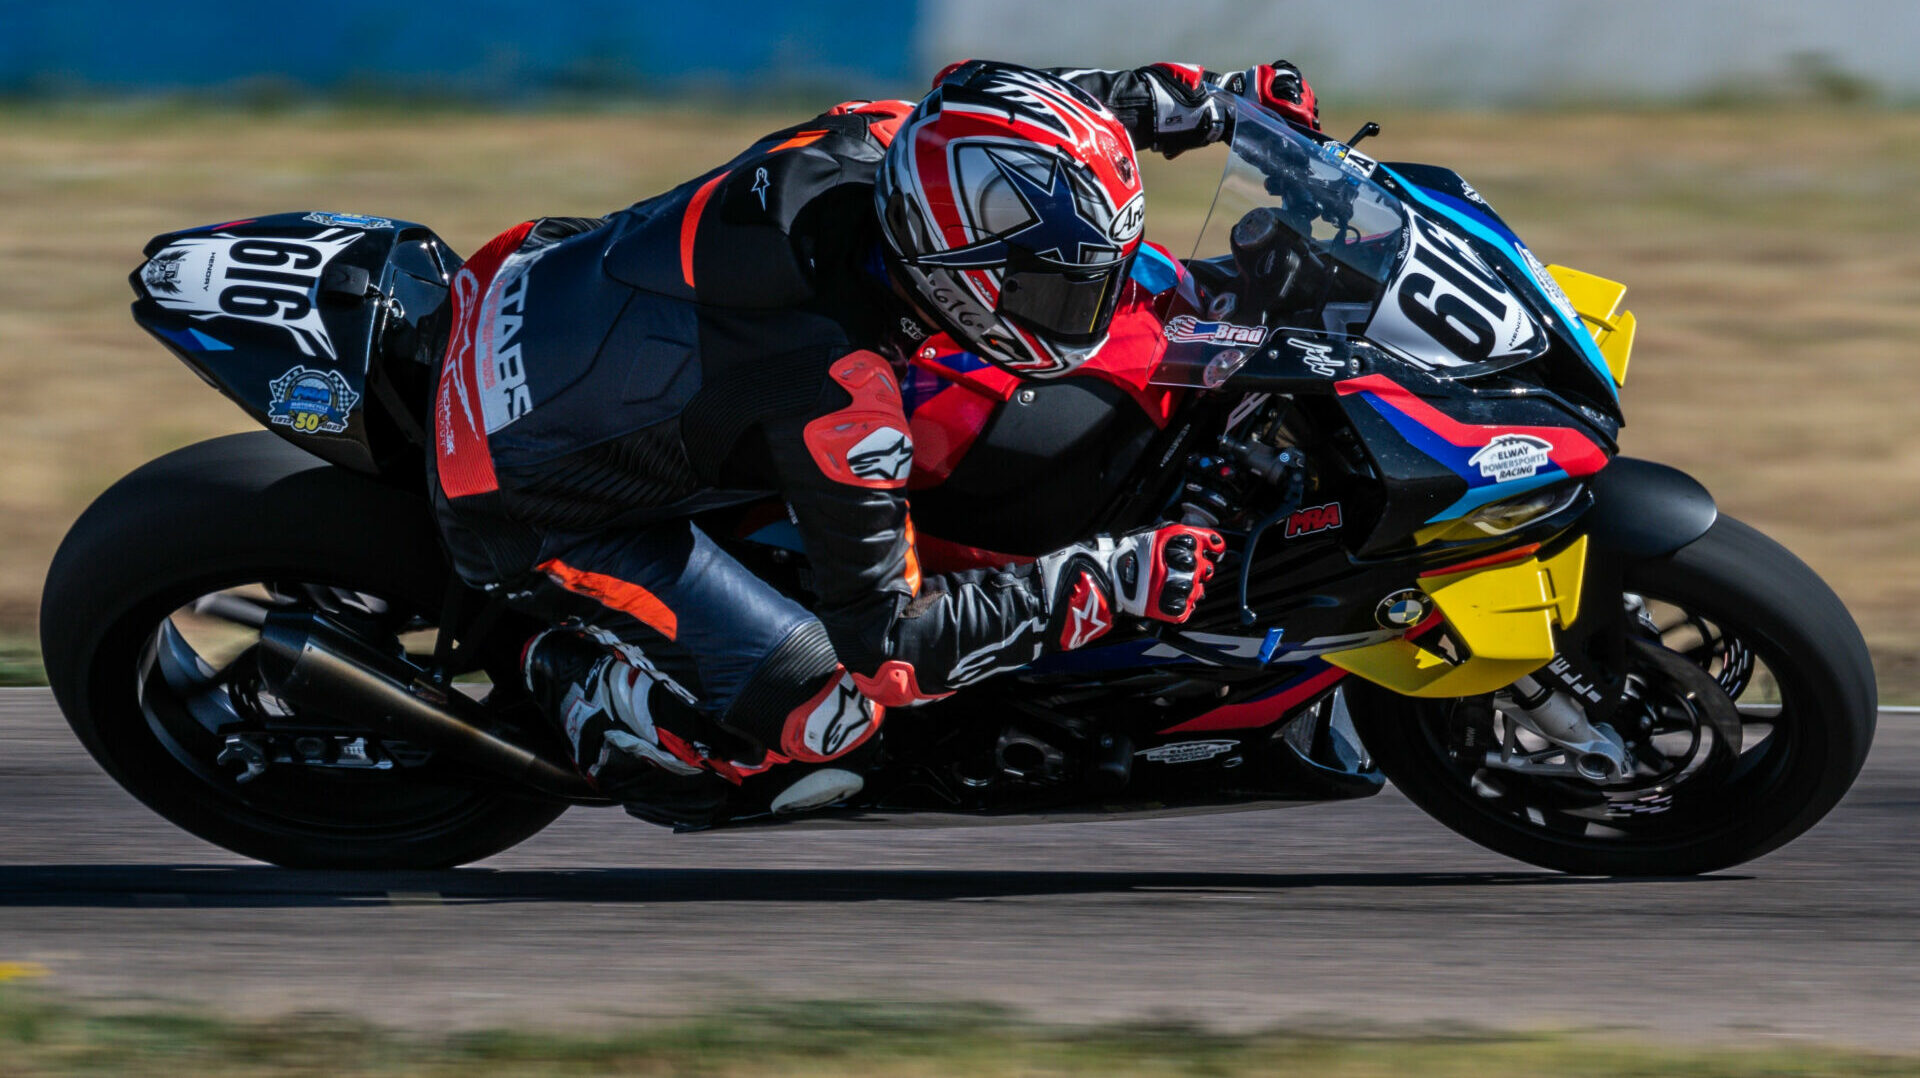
[
  {"x": 240, "y": 509},
  {"x": 1756, "y": 591}
]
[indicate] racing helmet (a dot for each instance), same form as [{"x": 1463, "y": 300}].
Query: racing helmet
[{"x": 1011, "y": 208}]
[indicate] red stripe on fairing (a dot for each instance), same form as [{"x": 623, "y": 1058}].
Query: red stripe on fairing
[
  {"x": 1481, "y": 563},
  {"x": 937, "y": 353},
  {"x": 1136, "y": 341},
  {"x": 944, "y": 428},
  {"x": 690, "y": 225},
  {"x": 1261, "y": 711},
  {"x": 1572, "y": 451},
  {"x": 462, "y": 459}
]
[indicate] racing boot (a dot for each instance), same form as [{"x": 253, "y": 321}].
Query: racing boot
[{"x": 635, "y": 732}]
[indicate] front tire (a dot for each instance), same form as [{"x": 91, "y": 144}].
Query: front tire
[
  {"x": 1745, "y": 604},
  {"x": 239, "y": 510}
]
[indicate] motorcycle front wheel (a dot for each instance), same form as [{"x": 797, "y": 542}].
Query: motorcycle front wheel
[
  {"x": 1750, "y": 710},
  {"x": 148, "y": 621}
]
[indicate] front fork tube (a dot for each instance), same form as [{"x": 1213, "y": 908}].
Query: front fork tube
[
  {"x": 1571, "y": 700},
  {"x": 1596, "y": 753}
]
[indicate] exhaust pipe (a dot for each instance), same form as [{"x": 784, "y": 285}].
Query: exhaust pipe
[{"x": 307, "y": 660}]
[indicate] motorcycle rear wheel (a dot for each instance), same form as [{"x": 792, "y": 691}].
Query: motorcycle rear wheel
[
  {"x": 1745, "y": 611},
  {"x": 239, "y": 510}
]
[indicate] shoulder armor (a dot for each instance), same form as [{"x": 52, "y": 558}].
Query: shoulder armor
[{"x": 724, "y": 239}]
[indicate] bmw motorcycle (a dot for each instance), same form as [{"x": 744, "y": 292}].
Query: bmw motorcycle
[{"x": 1440, "y": 571}]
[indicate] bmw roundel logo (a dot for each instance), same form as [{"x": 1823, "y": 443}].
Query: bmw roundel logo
[{"x": 1403, "y": 609}]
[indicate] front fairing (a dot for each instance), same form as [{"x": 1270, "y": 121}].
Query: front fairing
[
  {"x": 1448, "y": 211},
  {"x": 1403, "y": 261}
]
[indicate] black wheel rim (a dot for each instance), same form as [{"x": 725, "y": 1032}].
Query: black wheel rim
[
  {"x": 198, "y": 686},
  {"x": 1693, "y": 777}
]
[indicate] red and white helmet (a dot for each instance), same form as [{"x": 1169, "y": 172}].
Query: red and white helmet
[{"x": 1011, "y": 204}]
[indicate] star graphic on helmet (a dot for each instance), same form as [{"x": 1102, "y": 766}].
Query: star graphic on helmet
[{"x": 1054, "y": 231}]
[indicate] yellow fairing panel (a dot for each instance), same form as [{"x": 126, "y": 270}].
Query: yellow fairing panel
[
  {"x": 1598, "y": 302},
  {"x": 1504, "y": 614}
]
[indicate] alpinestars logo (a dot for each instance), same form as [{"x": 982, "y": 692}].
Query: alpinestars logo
[
  {"x": 887, "y": 454},
  {"x": 1087, "y": 614},
  {"x": 838, "y": 722}
]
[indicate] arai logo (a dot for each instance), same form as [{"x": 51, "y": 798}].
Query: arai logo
[
  {"x": 1512, "y": 456},
  {"x": 1130, "y": 220}
]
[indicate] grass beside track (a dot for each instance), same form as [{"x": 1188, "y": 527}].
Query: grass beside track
[
  {"x": 41, "y": 1036},
  {"x": 1773, "y": 260},
  {"x": 20, "y": 663}
]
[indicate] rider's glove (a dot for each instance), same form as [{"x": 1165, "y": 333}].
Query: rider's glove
[
  {"x": 1162, "y": 572},
  {"x": 1183, "y": 114},
  {"x": 1281, "y": 87},
  {"x": 1159, "y": 573}
]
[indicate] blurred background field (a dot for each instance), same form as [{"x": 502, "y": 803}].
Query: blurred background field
[{"x": 1771, "y": 254}]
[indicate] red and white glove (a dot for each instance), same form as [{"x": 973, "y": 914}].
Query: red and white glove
[
  {"x": 1281, "y": 87},
  {"x": 1159, "y": 573}
]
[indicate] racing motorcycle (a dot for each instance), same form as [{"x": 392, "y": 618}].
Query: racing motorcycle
[{"x": 1440, "y": 571}]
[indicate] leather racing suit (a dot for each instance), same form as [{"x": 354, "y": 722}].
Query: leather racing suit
[{"x": 606, "y": 379}]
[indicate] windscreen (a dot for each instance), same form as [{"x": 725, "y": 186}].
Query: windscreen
[
  {"x": 1289, "y": 214},
  {"x": 1321, "y": 191}
]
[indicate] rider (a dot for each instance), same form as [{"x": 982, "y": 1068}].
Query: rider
[{"x": 744, "y": 334}]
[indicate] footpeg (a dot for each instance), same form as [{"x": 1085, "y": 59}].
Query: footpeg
[{"x": 245, "y": 751}]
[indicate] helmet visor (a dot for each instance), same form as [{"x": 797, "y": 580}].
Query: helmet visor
[{"x": 1070, "y": 306}]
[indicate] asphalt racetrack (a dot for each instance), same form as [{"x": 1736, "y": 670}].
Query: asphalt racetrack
[{"x": 1365, "y": 913}]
